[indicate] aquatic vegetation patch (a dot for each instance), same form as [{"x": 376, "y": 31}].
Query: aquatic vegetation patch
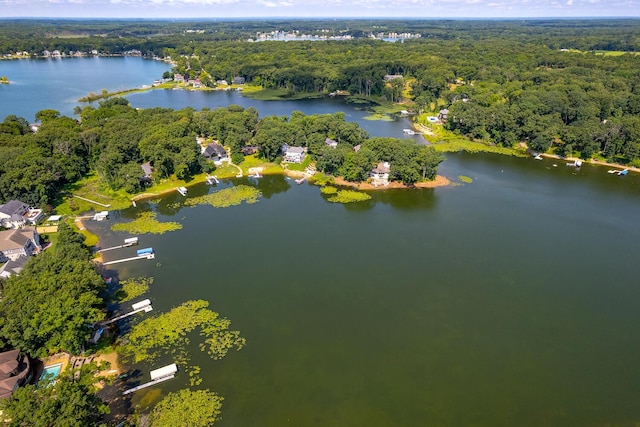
[
  {"x": 170, "y": 334},
  {"x": 227, "y": 197},
  {"x": 465, "y": 179},
  {"x": 328, "y": 190},
  {"x": 146, "y": 223},
  {"x": 379, "y": 116},
  {"x": 349, "y": 196},
  {"x": 320, "y": 179},
  {"x": 133, "y": 288}
]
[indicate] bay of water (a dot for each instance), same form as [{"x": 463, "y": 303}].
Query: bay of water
[
  {"x": 512, "y": 300},
  {"x": 508, "y": 301},
  {"x": 57, "y": 84}
]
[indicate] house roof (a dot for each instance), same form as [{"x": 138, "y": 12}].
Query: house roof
[
  {"x": 382, "y": 167},
  {"x": 15, "y": 238},
  {"x": 296, "y": 150},
  {"x": 15, "y": 266},
  {"x": 13, "y": 207},
  {"x": 331, "y": 142},
  {"x": 14, "y": 367},
  {"x": 215, "y": 149},
  {"x": 209, "y": 151},
  {"x": 147, "y": 168}
]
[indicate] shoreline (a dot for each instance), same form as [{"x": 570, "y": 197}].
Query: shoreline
[
  {"x": 424, "y": 130},
  {"x": 591, "y": 162},
  {"x": 439, "y": 181}
]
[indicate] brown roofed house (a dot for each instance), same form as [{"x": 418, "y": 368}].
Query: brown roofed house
[
  {"x": 19, "y": 242},
  {"x": 15, "y": 371}
]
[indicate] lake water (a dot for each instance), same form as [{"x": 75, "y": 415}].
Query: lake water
[
  {"x": 512, "y": 300},
  {"x": 39, "y": 84}
]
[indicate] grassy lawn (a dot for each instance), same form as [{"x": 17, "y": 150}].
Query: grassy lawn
[
  {"x": 225, "y": 172},
  {"x": 253, "y": 161},
  {"x": 90, "y": 188},
  {"x": 300, "y": 166}
]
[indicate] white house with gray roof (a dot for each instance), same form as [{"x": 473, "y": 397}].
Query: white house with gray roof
[
  {"x": 295, "y": 154},
  {"x": 15, "y": 214}
]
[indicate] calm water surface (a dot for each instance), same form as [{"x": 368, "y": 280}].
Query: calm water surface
[
  {"x": 39, "y": 84},
  {"x": 508, "y": 301}
]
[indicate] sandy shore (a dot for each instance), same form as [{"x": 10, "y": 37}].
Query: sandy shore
[{"x": 440, "y": 181}]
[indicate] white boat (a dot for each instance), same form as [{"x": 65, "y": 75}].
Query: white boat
[
  {"x": 409, "y": 131},
  {"x": 212, "y": 180},
  {"x": 576, "y": 163},
  {"x": 182, "y": 190}
]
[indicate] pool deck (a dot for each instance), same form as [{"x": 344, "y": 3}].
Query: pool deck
[
  {"x": 65, "y": 360},
  {"x": 60, "y": 358}
]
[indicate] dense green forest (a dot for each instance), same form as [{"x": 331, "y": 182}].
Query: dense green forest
[
  {"x": 66, "y": 275},
  {"x": 568, "y": 86},
  {"x": 115, "y": 139}
]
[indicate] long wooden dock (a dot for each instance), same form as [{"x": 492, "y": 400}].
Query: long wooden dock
[
  {"x": 149, "y": 256},
  {"x": 126, "y": 245},
  {"x": 146, "y": 309},
  {"x": 149, "y": 384}
]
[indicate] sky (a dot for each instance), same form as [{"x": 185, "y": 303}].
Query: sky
[{"x": 318, "y": 8}]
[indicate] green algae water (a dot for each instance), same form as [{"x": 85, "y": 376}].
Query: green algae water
[{"x": 508, "y": 301}]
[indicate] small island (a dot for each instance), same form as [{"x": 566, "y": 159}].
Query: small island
[{"x": 4, "y": 80}]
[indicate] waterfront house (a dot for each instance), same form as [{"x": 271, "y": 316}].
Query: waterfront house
[
  {"x": 15, "y": 371},
  {"x": 19, "y": 242},
  {"x": 443, "y": 115},
  {"x": 15, "y": 214},
  {"x": 217, "y": 153},
  {"x": 380, "y": 174},
  {"x": 295, "y": 154},
  {"x": 331, "y": 143},
  {"x": 238, "y": 80}
]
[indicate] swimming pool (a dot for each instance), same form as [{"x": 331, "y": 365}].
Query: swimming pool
[{"x": 51, "y": 372}]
